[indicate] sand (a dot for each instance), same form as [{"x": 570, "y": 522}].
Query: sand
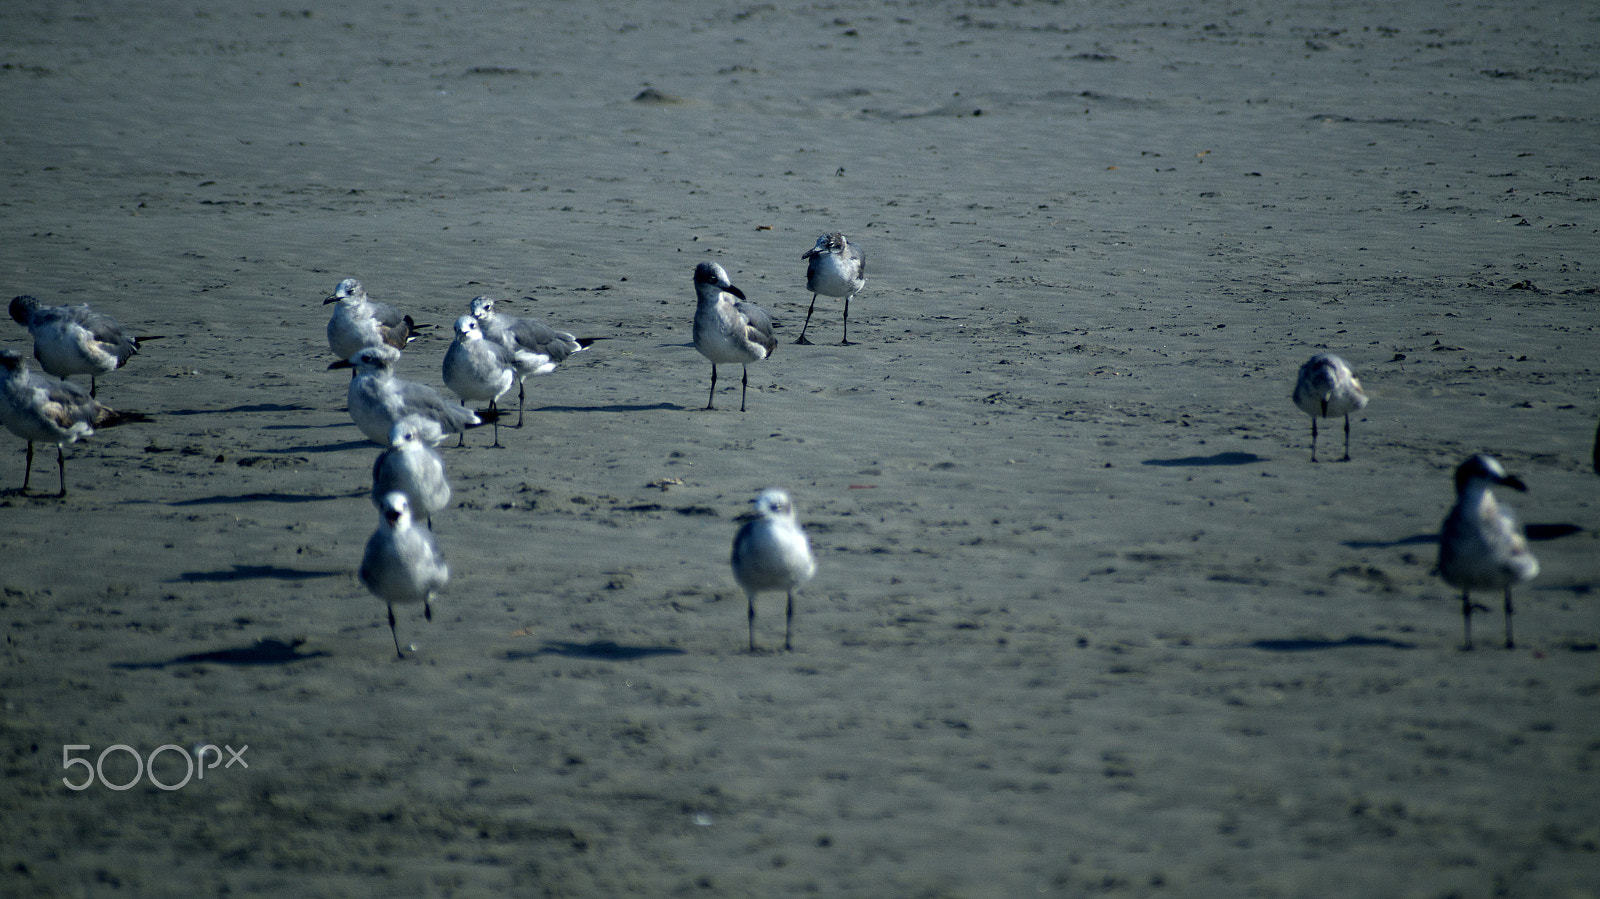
[{"x": 1087, "y": 619}]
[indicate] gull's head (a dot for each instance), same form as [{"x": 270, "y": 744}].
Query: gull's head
[
  {"x": 407, "y": 431},
  {"x": 1485, "y": 470},
  {"x": 772, "y": 502},
  {"x": 713, "y": 274},
  {"x": 832, "y": 242},
  {"x": 481, "y": 306},
  {"x": 23, "y": 308},
  {"x": 347, "y": 289},
  {"x": 467, "y": 329},
  {"x": 1326, "y": 362},
  {"x": 372, "y": 359},
  {"x": 395, "y": 509}
]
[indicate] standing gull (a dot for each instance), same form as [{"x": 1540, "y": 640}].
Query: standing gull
[
  {"x": 1327, "y": 389},
  {"x": 402, "y": 563},
  {"x": 75, "y": 340},
  {"x": 358, "y": 322},
  {"x": 838, "y": 268},
  {"x": 536, "y": 348},
  {"x": 44, "y": 408},
  {"x": 378, "y": 399},
  {"x": 771, "y": 552},
  {"x": 412, "y": 467},
  {"x": 1481, "y": 545},
  {"x": 727, "y": 330},
  {"x": 478, "y": 369}
]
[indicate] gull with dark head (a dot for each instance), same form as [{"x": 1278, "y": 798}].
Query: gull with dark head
[
  {"x": 358, "y": 322},
  {"x": 771, "y": 553},
  {"x": 412, "y": 467},
  {"x": 378, "y": 399},
  {"x": 727, "y": 329},
  {"x": 402, "y": 564},
  {"x": 1327, "y": 388},
  {"x": 43, "y": 408},
  {"x": 838, "y": 268},
  {"x": 1481, "y": 545},
  {"x": 75, "y": 340},
  {"x": 478, "y": 370},
  {"x": 536, "y": 348}
]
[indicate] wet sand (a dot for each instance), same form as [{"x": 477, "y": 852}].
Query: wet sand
[{"x": 1087, "y": 620}]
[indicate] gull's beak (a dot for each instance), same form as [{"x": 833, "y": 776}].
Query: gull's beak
[{"x": 342, "y": 363}]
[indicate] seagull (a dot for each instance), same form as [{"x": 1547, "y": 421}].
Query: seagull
[
  {"x": 75, "y": 340},
  {"x": 358, "y": 322},
  {"x": 726, "y": 330},
  {"x": 1326, "y": 389},
  {"x": 1481, "y": 545},
  {"x": 378, "y": 399},
  {"x": 771, "y": 552},
  {"x": 44, "y": 408},
  {"x": 838, "y": 268},
  {"x": 402, "y": 563},
  {"x": 536, "y": 348},
  {"x": 478, "y": 369},
  {"x": 412, "y": 467}
]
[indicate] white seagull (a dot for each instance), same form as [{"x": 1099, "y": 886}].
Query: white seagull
[
  {"x": 536, "y": 348},
  {"x": 358, "y": 322},
  {"x": 1481, "y": 545},
  {"x": 402, "y": 563},
  {"x": 478, "y": 369},
  {"x": 838, "y": 268},
  {"x": 728, "y": 330},
  {"x": 44, "y": 408},
  {"x": 771, "y": 552},
  {"x": 1326, "y": 388},
  {"x": 412, "y": 467},
  {"x": 378, "y": 399},
  {"x": 75, "y": 340}
]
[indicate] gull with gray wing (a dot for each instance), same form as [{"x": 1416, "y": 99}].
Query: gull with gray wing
[
  {"x": 771, "y": 553},
  {"x": 536, "y": 348},
  {"x": 412, "y": 467},
  {"x": 75, "y": 340},
  {"x": 358, "y": 322},
  {"x": 1327, "y": 388},
  {"x": 838, "y": 268},
  {"x": 478, "y": 369},
  {"x": 378, "y": 399},
  {"x": 728, "y": 329},
  {"x": 1481, "y": 544},
  {"x": 45, "y": 409},
  {"x": 402, "y": 564}
]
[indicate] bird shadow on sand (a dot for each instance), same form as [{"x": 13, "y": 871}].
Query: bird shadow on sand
[
  {"x": 1551, "y": 531},
  {"x": 266, "y": 498},
  {"x": 1413, "y": 540},
  {"x": 274, "y": 408},
  {"x": 1533, "y": 532},
  {"x": 653, "y": 407},
  {"x": 261, "y": 652},
  {"x": 252, "y": 572},
  {"x": 599, "y": 650},
  {"x": 362, "y": 443},
  {"x": 1308, "y": 645},
  {"x": 1215, "y": 459}
]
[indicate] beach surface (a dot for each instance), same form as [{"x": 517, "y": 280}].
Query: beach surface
[{"x": 1087, "y": 618}]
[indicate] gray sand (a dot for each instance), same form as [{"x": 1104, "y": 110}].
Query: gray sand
[{"x": 1087, "y": 620}]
